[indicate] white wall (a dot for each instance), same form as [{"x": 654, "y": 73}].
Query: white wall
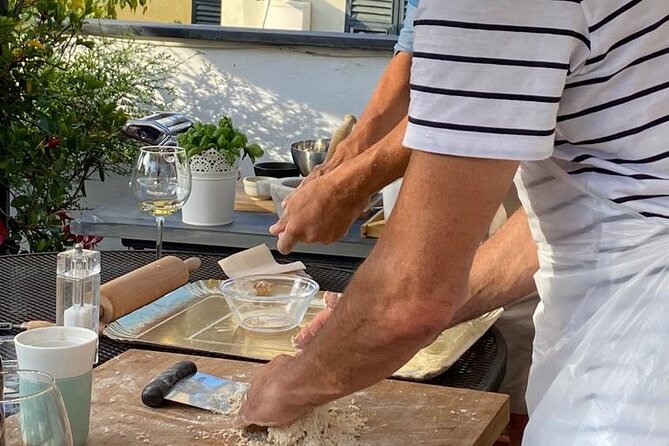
[
  {"x": 326, "y": 15},
  {"x": 276, "y": 95}
]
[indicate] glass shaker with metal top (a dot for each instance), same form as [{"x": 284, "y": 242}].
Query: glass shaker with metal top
[{"x": 78, "y": 288}]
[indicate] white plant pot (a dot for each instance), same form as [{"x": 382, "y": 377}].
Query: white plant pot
[{"x": 212, "y": 196}]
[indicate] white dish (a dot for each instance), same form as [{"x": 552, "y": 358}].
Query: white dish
[{"x": 258, "y": 188}]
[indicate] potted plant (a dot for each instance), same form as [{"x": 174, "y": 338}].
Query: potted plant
[{"x": 214, "y": 151}]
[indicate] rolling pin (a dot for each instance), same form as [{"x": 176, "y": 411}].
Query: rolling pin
[
  {"x": 8, "y": 326},
  {"x": 144, "y": 285},
  {"x": 339, "y": 134}
]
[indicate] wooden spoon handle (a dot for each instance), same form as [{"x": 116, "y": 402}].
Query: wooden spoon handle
[{"x": 339, "y": 134}]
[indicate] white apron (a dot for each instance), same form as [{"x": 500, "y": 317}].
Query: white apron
[{"x": 600, "y": 365}]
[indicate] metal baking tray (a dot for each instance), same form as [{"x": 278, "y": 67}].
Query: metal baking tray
[{"x": 196, "y": 317}]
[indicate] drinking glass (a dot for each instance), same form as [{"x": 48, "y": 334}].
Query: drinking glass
[
  {"x": 161, "y": 184},
  {"x": 32, "y": 411}
]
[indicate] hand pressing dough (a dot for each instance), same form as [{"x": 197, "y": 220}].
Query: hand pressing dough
[{"x": 323, "y": 426}]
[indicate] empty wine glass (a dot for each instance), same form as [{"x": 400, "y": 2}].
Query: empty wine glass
[
  {"x": 161, "y": 183},
  {"x": 32, "y": 411}
]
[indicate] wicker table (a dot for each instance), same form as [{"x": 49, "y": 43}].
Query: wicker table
[{"x": 28, "y": 290}]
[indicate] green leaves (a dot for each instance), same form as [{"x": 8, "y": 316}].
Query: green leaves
[
  {"x": 90, "y": 44},
  {"x": 43, "y": 245},
  {"x": 223, "y": 137},
  {"x": 20, "y": 201},
  {"x": 254, "y": 151},
  {"x": 64, "y": 97}
]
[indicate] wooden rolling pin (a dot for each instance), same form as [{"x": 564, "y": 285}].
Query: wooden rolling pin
[
  {"x": 144, "y": 285},
  {"x": 339, "y": 134},
  {"x": 30, "y": 325}
]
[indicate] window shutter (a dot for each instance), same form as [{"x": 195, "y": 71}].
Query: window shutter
[
  {"x": 207, "y": 12},
  {"x": 375, "y": 16}
]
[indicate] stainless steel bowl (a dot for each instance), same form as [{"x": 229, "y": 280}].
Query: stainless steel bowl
[{"x": 309, "y": 154}]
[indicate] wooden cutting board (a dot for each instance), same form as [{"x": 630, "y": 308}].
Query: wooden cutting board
[
  {"x": 398, "y": 413},
  {"x": 246, "y": 204}
]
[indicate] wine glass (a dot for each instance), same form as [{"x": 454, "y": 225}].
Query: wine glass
[
  {"x": 161, "y": 183},
  {"x": 32, "y": 411}
]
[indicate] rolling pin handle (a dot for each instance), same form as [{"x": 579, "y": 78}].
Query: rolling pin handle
[{"x": 192, "y": 264}]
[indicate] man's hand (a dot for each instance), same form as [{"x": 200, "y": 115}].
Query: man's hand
[
  {"x": 319, "y": 171},
  {"x": 271, "y": 400},
  {"x": 321, "y": 211},
  {"x": 262, "y": 401},
  {"x": 309, "y": 331},
  {"x": 346, "y": 150}
]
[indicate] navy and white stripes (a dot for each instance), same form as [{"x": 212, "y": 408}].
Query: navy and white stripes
[{"x": 583, "y": 81}]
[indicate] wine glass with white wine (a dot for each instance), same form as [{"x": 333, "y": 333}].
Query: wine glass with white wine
[{"x": 161, "y": 184}]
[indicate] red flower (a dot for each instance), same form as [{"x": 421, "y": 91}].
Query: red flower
[
  {"x": 53, "y": 142},
  {"x": 4, "y": 232},
  {"x": 62, "y": 216},
  {"x": 89, "y": 241}
]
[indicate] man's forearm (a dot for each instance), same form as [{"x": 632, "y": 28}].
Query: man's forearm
[
  {"x": 387, "y": 106},
  {"x": 397, "y": 303},
  {"x": 503, "y": 269},
  {"x": 377, "y": 167}
]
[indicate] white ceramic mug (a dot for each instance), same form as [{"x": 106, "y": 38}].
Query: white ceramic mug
[{"x": 67, "y": 354}]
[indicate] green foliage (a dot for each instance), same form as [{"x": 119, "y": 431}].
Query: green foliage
[
  {"x": 64, "y": 98},
  {"x": 224, "y": 138}
]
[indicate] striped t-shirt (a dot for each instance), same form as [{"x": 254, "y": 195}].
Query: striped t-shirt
[{"x": 585, "y": 82}]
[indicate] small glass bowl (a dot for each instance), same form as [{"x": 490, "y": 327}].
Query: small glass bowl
[{"x": 269, "y": 303}]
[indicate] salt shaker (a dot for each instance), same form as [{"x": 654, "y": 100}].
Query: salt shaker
[{"x": 78, "y": 288}]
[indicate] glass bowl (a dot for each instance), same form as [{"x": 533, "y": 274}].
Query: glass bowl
[{"x": 269, "y": 303}]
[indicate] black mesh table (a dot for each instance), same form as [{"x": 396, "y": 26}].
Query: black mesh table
[{"x": 28, "y": 292}]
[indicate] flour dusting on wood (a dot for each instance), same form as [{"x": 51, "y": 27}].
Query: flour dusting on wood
[{"x": 323, "y": 426}]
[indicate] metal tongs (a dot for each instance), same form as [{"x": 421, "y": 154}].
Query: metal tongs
[{"x": 158, "y": 129}]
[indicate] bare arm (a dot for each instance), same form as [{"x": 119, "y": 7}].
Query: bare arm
[
  {"x": 377, "y": 167},
  {"x": 386, "y": 108},
  {"x": 503, "y": 269},
  {"x": 370, "y": 158},
  {"x": 401, "y": 298},
  {"x": 502, "y": 273},
  {"x": 314, "y": 214}
]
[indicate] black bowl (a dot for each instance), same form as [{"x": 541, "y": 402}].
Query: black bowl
[{"x": 276, "y": 169}]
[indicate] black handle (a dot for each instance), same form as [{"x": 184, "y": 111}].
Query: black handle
[{"x": 154, "y": 393}]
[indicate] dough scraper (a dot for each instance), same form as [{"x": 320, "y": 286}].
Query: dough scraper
[{"x": 182, "y": 383}]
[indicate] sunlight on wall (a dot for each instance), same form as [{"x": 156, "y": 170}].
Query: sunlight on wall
[{"x": 276, "y": 95}]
